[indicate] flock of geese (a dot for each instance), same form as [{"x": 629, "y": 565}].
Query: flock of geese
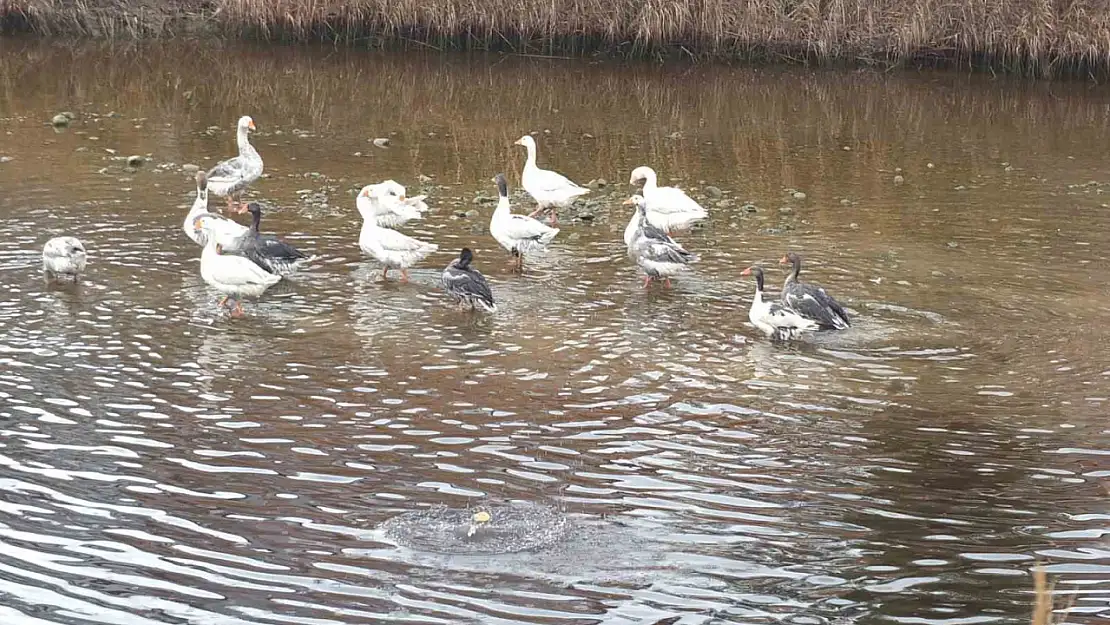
[{"x": 240, "y": 261}]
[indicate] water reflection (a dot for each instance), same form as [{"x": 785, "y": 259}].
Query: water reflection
[{"x": 163, "y": 463}]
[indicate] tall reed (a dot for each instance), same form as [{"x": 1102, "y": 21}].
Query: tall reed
[{"x": 1039, "y": 37}]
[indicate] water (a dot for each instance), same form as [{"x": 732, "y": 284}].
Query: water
[{"x": 162, "y": 463}]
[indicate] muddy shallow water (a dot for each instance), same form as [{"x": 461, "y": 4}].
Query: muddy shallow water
[{"x": 163, "y": 463}]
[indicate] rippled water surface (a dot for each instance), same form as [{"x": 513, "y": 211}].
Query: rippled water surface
[{"x": 161, "y": 462}]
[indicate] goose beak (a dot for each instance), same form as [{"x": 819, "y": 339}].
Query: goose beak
[
  {"x": 251, "y": 125},
  {"x": 402, "y": 196},
  {"x": 519, "y": 141},
  {"x": 627, "y": 202},
  {"x": 746, "y": 272},
  {"x": 784, "y": 260},
  {"x": 198, "y": 223}
]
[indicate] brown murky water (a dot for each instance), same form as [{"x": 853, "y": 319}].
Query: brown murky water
[{"x": 162, "y": 463}]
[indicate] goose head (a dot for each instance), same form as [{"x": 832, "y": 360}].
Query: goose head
[
  {"x": 757, "y": 271},
  {"x": 502, "y": 185},
  {"x": 527, "y": 141},
  {"x": 638, "y": 201},
  {"x": 642, "y": 174},
  {"x": 246, "y": 123}
]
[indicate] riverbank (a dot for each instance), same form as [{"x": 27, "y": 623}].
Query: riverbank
[{"x": 1039, "y": 37}]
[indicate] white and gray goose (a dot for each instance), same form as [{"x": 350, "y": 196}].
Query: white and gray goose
[
  {"x": 772, "y": 317},
  {"x": 466, "y": 285},
  {"x": 810, "y": 300}
]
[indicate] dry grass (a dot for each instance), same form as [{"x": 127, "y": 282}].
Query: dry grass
[
  {"x": 1040, "y": 37},
  {"x": 1044, "y": 602}
]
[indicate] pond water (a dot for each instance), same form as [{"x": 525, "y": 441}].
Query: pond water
[{"x": 161, "y": 462}]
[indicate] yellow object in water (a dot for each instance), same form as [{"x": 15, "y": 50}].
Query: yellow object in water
[{"x": 481, "y": 517}]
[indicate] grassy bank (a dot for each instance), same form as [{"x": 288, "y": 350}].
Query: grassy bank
[{"x": 1036, "y": 37}]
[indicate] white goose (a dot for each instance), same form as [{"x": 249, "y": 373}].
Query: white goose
[
  {"x": 550, "y": 189},
  {"x": 668, "y": 208},
  {"x": 389, "y": 247},
  {"x": 395, "y": 214},
  {"x": 657, "y": 254},
  {"x": 771, "y": 317},
  {"x": 225, "y": 229},
  {"x": 231, "y": 274},
  {"x": 230, "y": 177},
  {"x": 64, "y": 257},
  {"x": 519, "y": 234}
]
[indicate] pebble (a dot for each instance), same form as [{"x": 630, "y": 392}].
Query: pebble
[
  {"x": 853, "y": 226},
  {"x": 472, "y": 214},
  {"x": 786, "y": 210},
  {"x": 953, "y": 244},
  {"x": 750, "y": 208},
  {"x": 798, "y": 195},
  {"x": 381, "y": 142},
  {"x": 845, "y": 201},
  {"x": 598, "y": 183},
  {"x": 135, "y": 160},
  {"x": 5, "y": 159},
  {"x": 60, "y": 120},
  {"x": 422, "y": 179},
  {"x": 899, "y": 179},
  {"x": 929, "y": 165},
  {"x": 714, "y": 192}
]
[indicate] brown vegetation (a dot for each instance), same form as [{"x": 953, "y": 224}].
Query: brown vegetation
[
  {"x": 1042, "y": 37},
  {"x": 1044, "y": 602}
]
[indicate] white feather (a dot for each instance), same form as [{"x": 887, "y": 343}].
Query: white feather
[
  {"x": 668, "y": 208},
  {"x": 64, "y": 256},
  {"x": 389, "y": 247},
  {"x": 519, "y": 232},
  {"x": 547, "y": 188}
]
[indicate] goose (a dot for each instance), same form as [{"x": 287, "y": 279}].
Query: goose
[
  {"x": 654, "y": 251},
  {"x": 230, "y": 177},
  {"x": 519, "y": 234},
  {"x": 771, "y": 317},
  {"x": 64, "y": 257},
  {"x": 550, "y": 190},
  {"x": 668, "y": 208},
  {"x": 266, "y": 250},
  {"x": 466, "y": 285},
  {"x": 397, "y": 214},
  {"x": 810, "y": 300},
  {"x": 389, "y": 247},
  {"x": 229, "y": 273},
  {"x": 225, "y": 229}
]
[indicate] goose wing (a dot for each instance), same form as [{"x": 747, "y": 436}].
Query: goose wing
[
  {"x": 234, "y": 269},
  {"x": 228, "y": 169},
  {"x": 671, "y": 200},
  {"x": 467, "y": 281},
  {"x": 547, "y": 181},
  {"x": 814, "y": 303},
  {"x": 523, "y": 227},
  {"x": 393, "y": 241}
]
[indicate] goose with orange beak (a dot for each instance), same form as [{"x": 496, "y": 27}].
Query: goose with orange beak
[
  {"x": 231, "y": 274},
  {"x": 231, "y": 177},
  {"x": 772, "y": 318},
  {"x": 389, "y": 247}
]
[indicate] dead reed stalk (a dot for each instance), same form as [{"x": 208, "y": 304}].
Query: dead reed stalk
[
  {"x": 1035, "y": 37},
  {"x": 1044, "y": 601}
]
